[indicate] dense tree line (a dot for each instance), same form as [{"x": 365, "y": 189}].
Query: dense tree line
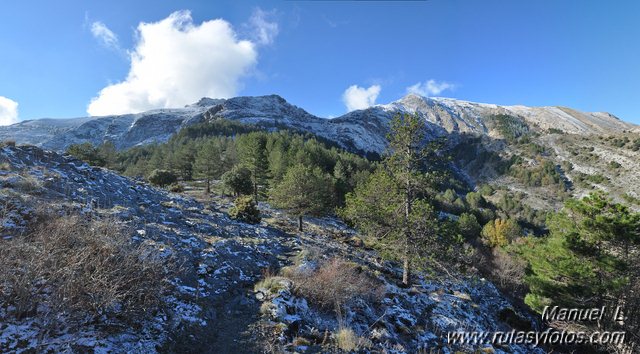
[{"x": 298, "y": 172}]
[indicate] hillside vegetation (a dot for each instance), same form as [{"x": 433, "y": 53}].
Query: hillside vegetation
[{"x": 351, "y": 259}]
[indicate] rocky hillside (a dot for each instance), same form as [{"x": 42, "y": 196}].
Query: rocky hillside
[{"x": 221, "y": 298}]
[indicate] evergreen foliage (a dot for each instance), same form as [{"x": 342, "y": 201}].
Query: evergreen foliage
[
  {"x": 510, "y": 127},
  {"x": 245, "y": 209},
  {"x": 392, "y": 207},
  {"x": 253, "y": 155},
  {"x": 209, "y": 151},
  {"x": 162, "y": 178},
  {"x": 545, "y": 174},
  {"x": 208, "y": 162},
  {"x": 469, "y": 226},
  {"x": 87, "y": 153},
  {"x": 304, "y": 191},
  {"x": 589, "y": 259},
  {"x": 238, "y": 180}
]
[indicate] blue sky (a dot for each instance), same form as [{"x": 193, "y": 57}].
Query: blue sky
[{"x": 58, "y": 56}]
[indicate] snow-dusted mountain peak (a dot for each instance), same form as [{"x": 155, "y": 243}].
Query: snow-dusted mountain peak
[{"x": 363, "y": 130}]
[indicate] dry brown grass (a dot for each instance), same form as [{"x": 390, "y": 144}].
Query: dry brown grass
[
  {"x": 80, "y": 270},
  {"x": 337, "y": 282},
  {"x": 347, "y": 340},
  {"x": 27, "y": 184},
  {"x": 10, "y": 143}
]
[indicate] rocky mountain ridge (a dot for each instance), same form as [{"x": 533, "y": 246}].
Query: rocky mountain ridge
[{"x": 360, "y": 130}]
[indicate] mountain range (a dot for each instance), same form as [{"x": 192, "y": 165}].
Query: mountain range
[
  {"x": 484, "y": 137},
  {"x": 360, "y": 130}
]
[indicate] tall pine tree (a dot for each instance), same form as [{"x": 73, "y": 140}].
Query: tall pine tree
[
  {"x": 253, "y": 155},
  {"x": 392, "y": 206},
  {"x": 208, "y": 162},
  {"x": 304, "y": 191}
]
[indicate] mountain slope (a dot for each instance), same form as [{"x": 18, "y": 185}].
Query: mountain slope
[
  {"x": 361, "y": 130},
  {"x": 215, "y": 302}
]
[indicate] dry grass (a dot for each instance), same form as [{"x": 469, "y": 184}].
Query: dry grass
[
  {"x": 272, "y": 283},
  {"x": 79, "y": 269},
  {"x": 347, "y": 340},
  {"x": 10, "y": 143},
  {"x": 27, "y": 184},
  {"x": 336, "y": 283}
]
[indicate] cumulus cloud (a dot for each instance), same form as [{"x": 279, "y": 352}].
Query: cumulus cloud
[
  {"x": 176, "y": 62},
  {"x": 356, "y": 97},
  {"x": 430, "y": 87},
  {"x": 106, "y": 37},
  {"x": 8, "y": 111},
  {"x": 262, "y": 26}
]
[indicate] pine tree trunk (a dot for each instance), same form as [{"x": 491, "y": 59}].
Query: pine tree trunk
[
  {"x": 407, "y": 231},
  {"x": 405, "y": 271},
  {"x": 255, "y": 190},
  {"x": 300, "y": 223}
]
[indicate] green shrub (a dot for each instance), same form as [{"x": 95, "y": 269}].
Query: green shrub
[
  {"x": 486, "y": 190},
  {"x": 475, "y": 200},
  {"x": 469, "y": 226},
  {"x": 87, "y": 153},
  {"x": 245, "y": 209},
  {"x": 614, "y": 164},
  {"x": 162, "y": 177}
]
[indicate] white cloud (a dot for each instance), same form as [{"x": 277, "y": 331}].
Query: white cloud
[
  {"x": 8, "y": 111},
  {"x": 176, "y": 62},
  {"x": 430, "y": 87},
  {"x": 106, "y": 37},
  {"x": 356, "y": 97},
  {"x": 263, "y": 29}
]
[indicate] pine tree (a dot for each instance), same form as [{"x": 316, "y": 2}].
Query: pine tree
[
  {"x": 208, "y": 162},
  {"x": 238, "y": 179},
  {"x": 252, "y": 149},
  {"x": 589, "y": 259},
  {"x": 303, "y": 191},
  {"x": 87, "y": 153},
  {"x": 107, "y": 151},
  {"x": 162, "y": 178},
  {"x": 182, "y": 159},
  {"x": 391, "y": 205},
  {"x": 468, "y": 225},
  {"x": 278, "y": 160},
  {"x": 405, "y": 142}
]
